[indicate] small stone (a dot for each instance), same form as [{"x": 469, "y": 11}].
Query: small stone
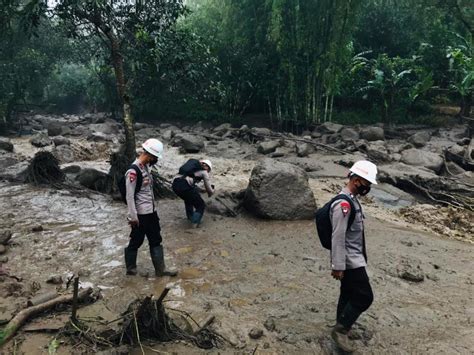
[
  {"x": 266, "y": 345},
  {"x": 55, "y": 280},
  {"x": 5, "y": 236},
  {"x": 432, "y": 277},
  {"x": 3, "y": 259},
  {"x": 412, "y": 276},
  {"x": 3, "y": 249},
  {"x": 255, "y": 333},
  {"x": 270, "y": 324},
  {"x": 37, "y": 228}
]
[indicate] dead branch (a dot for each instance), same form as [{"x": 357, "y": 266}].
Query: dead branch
[{"x": 12, "y": 327}]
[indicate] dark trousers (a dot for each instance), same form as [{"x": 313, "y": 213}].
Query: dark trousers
[
  {"x": 355, "y": 298},
  {"x": 149, "y": 225},
  {"x": 193, "y": 201}
]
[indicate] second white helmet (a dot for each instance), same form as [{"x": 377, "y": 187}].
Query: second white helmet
[{"x": 208, "y": 163}]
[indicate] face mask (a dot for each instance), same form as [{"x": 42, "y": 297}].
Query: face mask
[
  {"x": 363, "y": 190},
  {"x": 153, "y": 161}
]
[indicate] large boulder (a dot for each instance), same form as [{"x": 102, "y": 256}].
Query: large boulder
[
  {"x": 419, "y": 139},
  {"x": 279, "y": 191},
  {"x": 268, "y": 147},
  {"x": 418, "y": 157},
  {"x": 95, "y": 180},
  {"x": 372, "y": 134},
  {"x": 260, "y": 132},
  {"x": 40, "y": 141},
  {"x": 6, "y": 145},
  {"x": 189, "y": 143}
]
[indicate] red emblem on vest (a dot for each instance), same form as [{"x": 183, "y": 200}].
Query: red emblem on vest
[
  {"x": 132, "y": 176},
  {"x": 345, "y": 207}
]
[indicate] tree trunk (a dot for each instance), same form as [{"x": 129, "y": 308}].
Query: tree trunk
[
  {"x": 117, "y": 62},
  {"x": 466, "y": 104}
]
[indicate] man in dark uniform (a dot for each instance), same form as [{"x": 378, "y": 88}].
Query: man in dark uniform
[
  {"x": 142, "y": 214},
  {"x": 348, "y": 253}
]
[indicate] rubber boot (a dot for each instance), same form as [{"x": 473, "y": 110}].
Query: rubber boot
[
  {"x": 131, "y": 261},
  {"x": 158, "y": 260},
  {"x": 196, "y": 219},
  {"x": 340, "y": 337}
]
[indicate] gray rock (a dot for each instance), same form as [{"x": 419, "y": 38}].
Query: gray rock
[
  {"x": 378, "y": 155},
  {"x": 139, "y": 125},
  {"x": 80, "y": 131},
  {"x": 260, "y": 132},
  {"x": 372, "y": 134},
  {"x": 454, "y": 168},
  {"x": 40, "y": 141},
  {"x": 222, "y": 129},
  {"x": 268, "y": 147},
  {"x": 330, "y": 127},
  {"x": 99, "y": 137},
  {"x": 95, "y": 180},
  {"x": 3, "y": 260},
  {"x": 419, "y": 139},
  {"x": 188, "y": 143},
  {"x": 108, "y": 128},
  {"x": 55, "y": 280},
  {"x": 223, "y": 204},
  {"x": 255, "y": 333},
  {"x": 412, "y": 275},
  {"x": 72, "y": 169},
  {"x": 3, "y": 249},
  {"x": 304, "y": 149},
  {"x": 167, "y": 135},
  {"x": 5, "y": 236},
  {"x": 349, "y": 134},
  {"x": 270, "y": 324},
  {"x": 55, "y": 129},
  {"x": 417, "y": 157},
  {"x": 6, "y": 145},
  {"x": 316, "y": 134},
  {"x": 60, "y": 140},
  {"x": 64, "y": 154},
  {"x": 279, "y": 191}
]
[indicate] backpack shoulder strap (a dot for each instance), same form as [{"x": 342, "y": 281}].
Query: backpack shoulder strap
[
  {"x": 348, "y": 199},
  {"x": 139, "y": 177}
]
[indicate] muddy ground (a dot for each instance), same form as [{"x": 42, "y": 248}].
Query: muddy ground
[{"x": 249, "y": 273}]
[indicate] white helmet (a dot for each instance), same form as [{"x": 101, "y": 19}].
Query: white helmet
[
  {"x": 154, "y": 147},
  {"x": 366, "y": 170},
  {"x": 208, "y": 163}
]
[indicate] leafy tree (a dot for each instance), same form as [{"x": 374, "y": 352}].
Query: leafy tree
[
  {"x": 462, "y": 68},
  {"x": 120, "y": 25}
]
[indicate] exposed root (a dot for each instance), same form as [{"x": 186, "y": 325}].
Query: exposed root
[{"x": 44, "y": 170}]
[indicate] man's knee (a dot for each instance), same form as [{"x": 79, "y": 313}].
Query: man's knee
[{"x": 365, "y": 298}]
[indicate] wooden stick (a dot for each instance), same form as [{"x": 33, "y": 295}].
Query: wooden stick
[
  {"x": 11, "y": 328},
  {"x": 74, "y": 300}
]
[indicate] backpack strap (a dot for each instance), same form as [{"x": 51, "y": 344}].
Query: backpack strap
[
  {"x": 138, "y": 186},
  {"x": 348, "y": 199}
]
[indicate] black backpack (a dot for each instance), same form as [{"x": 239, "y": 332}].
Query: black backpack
[
  {"x": 122, "y": 183},
  {"x": 190, "y": 167},
  {"x": 323, "y": 220}
]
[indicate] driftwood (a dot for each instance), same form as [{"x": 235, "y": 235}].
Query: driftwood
[{"x": 12, "y": 327}]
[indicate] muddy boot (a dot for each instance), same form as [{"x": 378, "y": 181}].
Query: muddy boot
[
  {"x": 196, "y": 219},
  {"x": 159, "y": 262},
  {"x": 340, "y": 337},
  {"x": 131, "y": 261}
]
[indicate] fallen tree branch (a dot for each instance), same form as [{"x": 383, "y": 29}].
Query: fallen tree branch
[{"x": 12, "y": 327}]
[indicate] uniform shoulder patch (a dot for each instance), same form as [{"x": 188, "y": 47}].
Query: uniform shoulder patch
[
  {"x": 132, "y": 176},
  {"x": 345, "y": 207}
]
